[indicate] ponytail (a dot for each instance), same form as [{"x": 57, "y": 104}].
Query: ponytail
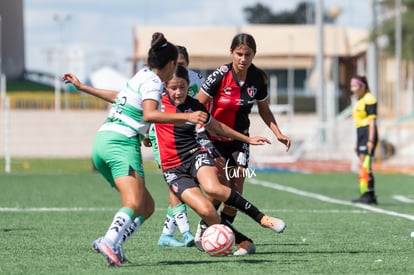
[{"x": 161, "y": 52}]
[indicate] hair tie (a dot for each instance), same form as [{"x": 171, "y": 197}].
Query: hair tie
[{"x": 359, "y": 81}]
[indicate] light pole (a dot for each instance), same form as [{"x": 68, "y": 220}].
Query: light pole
[
  {"x": 332, "y": 91},
  {"x": 398, "y": 39},
  {"x": 60, "y": 20},
  {"x": 320, "y": 94},
  {"x": 2, "y": 93},
  {"x": 291, "y": 78}
]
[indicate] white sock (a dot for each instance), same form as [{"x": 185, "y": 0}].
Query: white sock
[
  {"x": 116, "y": 230},
  {"x": 169, "y": 224},
  {"x": 181, "y": 218},
  {"x": 132, "y": 229}
]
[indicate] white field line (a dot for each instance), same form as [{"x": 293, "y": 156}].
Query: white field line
[
  {"x": 328, "y": 199},
  {"x": 54, "y": 209},
  {"x": 251, "y": 181},
  {"x": 95, "y": 209},
  {"x": 403, "y": 199},
  {"x": 62, "y": 209}
]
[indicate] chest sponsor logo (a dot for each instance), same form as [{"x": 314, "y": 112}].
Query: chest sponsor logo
[
  {"x": 162, "y": 108},
  {"x": 227, "y": 90}
]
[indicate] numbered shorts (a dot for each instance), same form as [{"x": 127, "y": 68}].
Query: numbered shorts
[
  {"x": 115, "y": 155},
  {"x": 236, "y": 153}
]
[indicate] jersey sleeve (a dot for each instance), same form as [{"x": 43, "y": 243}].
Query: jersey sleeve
[
  {"x": 213, "y": 81},
  {"x": 152, "y": 90},
  {"x": 197, "y": 106},
  {"x": 371, "y": 106},
  {"x": 262, "y": 93}
]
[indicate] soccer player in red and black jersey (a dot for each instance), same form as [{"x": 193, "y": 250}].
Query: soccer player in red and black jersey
[
  {"x": 187, "y": 165},
  {"x": 230, "y": 92}
]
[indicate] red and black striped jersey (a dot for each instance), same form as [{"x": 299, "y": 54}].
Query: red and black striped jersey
[
  {"x": 232, "y": 101},
  {"x": 176, "y": 143}
]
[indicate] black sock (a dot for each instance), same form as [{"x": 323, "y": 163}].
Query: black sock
[
  {"x": 217, "y": 205},
  {"x": 240, "y": 237},
  {"x": 371, "y": 181},
  {"x": 227, "y": 218},
  {"x": 237, "y": 201}
]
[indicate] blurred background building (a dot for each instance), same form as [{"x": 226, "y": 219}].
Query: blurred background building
[
  {"x": 308, "y": 56},
  {"x": 12, "y": 57}
]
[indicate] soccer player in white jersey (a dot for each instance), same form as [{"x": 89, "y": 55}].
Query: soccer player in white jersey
[
  {"x": 116, "y": 150},
  {"x": 196, "y": 79}
]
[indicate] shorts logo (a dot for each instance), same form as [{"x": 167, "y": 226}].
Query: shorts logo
[
  {"x": 201, "y": 160},
  {"x": 169, "y": 177},
  {"x": 174, "y": 188}
]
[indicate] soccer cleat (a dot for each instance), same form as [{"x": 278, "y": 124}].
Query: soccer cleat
[
  {"x": 244, "y": 248},
  {"x": 119, "y": 251},
  {"x": 169, "y": 240},
  {"x": 188, "y": 239},
  {"x": 276, "y": 225},
  {"x": 95, "y": 244},
  {"x": 108, "y": 252},
  {"x": 201, "y": 227},
  {"x": 367, "y": 198}
]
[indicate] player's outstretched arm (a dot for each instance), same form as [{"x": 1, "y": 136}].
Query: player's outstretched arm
[
  {"x": 154, "y": 115},
  {"x": 107, "y": 95},
  {"x": 268, "y": 117},
  {"x": 225, "y": 131}
]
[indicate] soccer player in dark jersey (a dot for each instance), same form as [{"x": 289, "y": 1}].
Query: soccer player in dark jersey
[
  {"x": 230, "y": 92},
  {"x": 365, "y": 115},
  {"x": 176, "y": 216},
  {"x": 187, "y": 165}
]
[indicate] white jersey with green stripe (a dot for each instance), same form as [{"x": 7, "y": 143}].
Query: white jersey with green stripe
[
  {"x": 126, "y": 115},
  {"x": 196, "y": 80}
]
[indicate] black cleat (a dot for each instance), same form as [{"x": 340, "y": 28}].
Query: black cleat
[{"x": 367, "y": 198}]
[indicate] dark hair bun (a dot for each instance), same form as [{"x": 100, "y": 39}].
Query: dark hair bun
[{"x": 158, "y": 41}]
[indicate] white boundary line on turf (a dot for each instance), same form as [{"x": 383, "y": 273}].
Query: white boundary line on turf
[
  {"x": 62, "y": 209},
  {"x": 92, "y": 209},
  {"x": 328, "y": 199},
  {"x": 54, "y": 209},
  {"x": 403, "y": 199}
]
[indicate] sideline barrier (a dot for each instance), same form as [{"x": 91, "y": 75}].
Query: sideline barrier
[{"x": 46, "y": 101}]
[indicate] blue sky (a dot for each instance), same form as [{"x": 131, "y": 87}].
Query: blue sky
[{"x": 103, "y": 29}]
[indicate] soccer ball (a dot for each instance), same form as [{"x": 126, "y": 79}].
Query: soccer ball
[{"x": 218, "y": 240}]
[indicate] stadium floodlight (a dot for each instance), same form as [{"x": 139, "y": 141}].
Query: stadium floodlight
[{"x": 60, "y": 22}]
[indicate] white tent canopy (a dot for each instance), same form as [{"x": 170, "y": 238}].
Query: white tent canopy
[{"x": 108, "y": 78}]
